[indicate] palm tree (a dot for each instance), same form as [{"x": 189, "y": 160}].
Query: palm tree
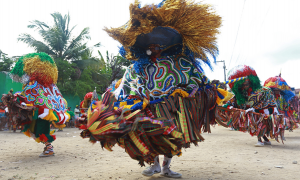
[
  {"x": 57, "y": 40},
  {"x": 114, "y": 67},
  {"x": 5, "y": 62}
]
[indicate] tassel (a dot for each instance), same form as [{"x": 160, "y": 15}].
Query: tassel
[{"x": 221, "y": 95}]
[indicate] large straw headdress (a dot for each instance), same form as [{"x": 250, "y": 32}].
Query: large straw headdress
[
  {"x": 178, "y": 26},
  {"x": 35, "y": 66}
]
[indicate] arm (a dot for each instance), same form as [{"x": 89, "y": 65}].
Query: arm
[
  {"x": 263, "y": 99},
  {"x": 197, "y": 79},
  {"x": 204, "y": 78},
  {"x": 231, "y": 103},
  {"x": 132, "y": 84}
]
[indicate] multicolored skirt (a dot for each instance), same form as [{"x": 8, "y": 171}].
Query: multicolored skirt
[
  {"x": 163, "y": 127},
  {"x": 255, "y": 123},
  {"x": 290, "y": 120}
]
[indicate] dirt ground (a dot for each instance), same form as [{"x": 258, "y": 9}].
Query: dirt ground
[{"x": 224, "y": 154}]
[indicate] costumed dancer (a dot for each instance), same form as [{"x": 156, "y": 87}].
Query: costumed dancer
[
  {"x": 294, "y": 104},
  {"x": 69, "y": 112},
  {"x": 76, "y": 111},
  {"x": 12, "y": 123},
  {"x": 226, "y": 99},
  {"x": 250, "y": 96},
  {"x": 164, "y": 100},
  {"x": 283, "y": 94},
  {"x": 3, "y": 118},
  {"x": 89, "y": 100},
  {"x": 41, "y": 100}
]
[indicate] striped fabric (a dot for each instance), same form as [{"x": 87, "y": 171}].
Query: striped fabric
[
  {"x": 131, "y": 149},
  {"x": 155, "y": 132},
  {"x": 105, "y": 115},
  {"x": 167, "y": 104},
  {"x": 158, "y": 141},
  {"x": 150, "y": 125},
  {"x": 176, "y": 134},
  {"x": 138, "y": 143},
  {"x": 115, "y": 131},
  {"x": 183, "y": 122},
  {"x": 193, "y": 92},
  {"x": 107, "y": 146},
  {"x": 145, "y": 138},
  {"x": 153, "y": 121},
  {"x": 174, "y": 147},
  {"x": 132, "y": 114},
  {"x": 172, "y": 103},
  {"x": 104, "y": 128},
  {"x": 157, "y": 111},
  {"x": 163, "y": 149},
  {"x": 166, "y": 111},
  {"x": 121, "y": 143},
  {"x": 171, "y": 126},
  {"x": 189, "y": 120},
  {"x": 106, "y": 98},
  {"x": 177, "y": 124},
  {"x": 93, "y": 117},
  {"x": 169, "y": 129},
  {"x": 94, "y": 126}
]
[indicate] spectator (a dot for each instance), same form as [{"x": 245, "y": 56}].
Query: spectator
[{"x": 77, "y": 112}]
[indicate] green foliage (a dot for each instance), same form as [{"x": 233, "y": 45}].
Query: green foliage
[
  {"x": 5, "y": 62},
  {"x": 114, "y": 67},
  {"x": 78, "y": 71},
  {"x": 57, "y": 39},
  {"x": 82, "y": 85},
  {"x": 69, "y": 82},
  {"x": 65, "y": 71}
]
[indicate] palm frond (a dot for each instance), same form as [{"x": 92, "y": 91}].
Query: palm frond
[
  {"x": 37, "y": 45},
  {"x": 84, "y": 34},
  {"x": 100, "y": 55},
  {"x": 98, "y": 44},
  {"x": 76, "y": 52},
  {"x": 68, "y": 22},
  {"x": 38, "y": 25},
  {"x": 57, "y": 39},
  {"x": 93, "y": 63}
]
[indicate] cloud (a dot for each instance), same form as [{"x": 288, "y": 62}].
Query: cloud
[
  {"x": 290, "y": 52},
  {"x": 268, "y": 37}
]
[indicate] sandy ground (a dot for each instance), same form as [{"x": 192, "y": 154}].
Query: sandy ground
[{"x": 224, "y": 155}]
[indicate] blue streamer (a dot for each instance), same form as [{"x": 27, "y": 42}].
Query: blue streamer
[
  {"x": 220, "y": 95},
  {"x": 288, "y": 95}
]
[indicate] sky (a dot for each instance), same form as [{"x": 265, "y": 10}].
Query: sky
[{"x": 263, "y": 34}]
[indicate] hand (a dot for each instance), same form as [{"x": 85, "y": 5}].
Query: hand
[
  {"x": 215, "y": 82},
  {"x": 249, "y": 110},
  {"x": 219, "y": 84}
]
